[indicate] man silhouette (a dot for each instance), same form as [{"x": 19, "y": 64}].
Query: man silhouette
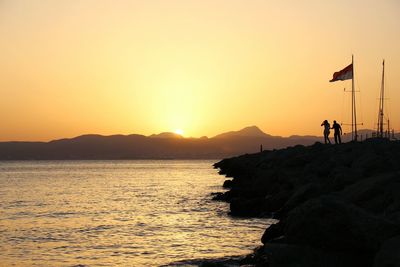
[
  {"x": 337, "y": 132},
  {"x": 327, "y": 131}
]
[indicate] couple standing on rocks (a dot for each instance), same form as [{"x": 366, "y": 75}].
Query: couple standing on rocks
[{"x": 337, "y": 131}]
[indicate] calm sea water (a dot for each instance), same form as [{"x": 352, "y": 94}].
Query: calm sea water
[{"x": 116, "y": 213}]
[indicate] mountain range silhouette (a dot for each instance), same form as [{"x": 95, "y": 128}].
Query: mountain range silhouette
[{"x": 165, "y": 145}]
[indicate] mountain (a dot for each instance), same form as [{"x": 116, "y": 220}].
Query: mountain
[
  {"x": 166, "y": 135},
  {"x": 252, "y": 131},
  {"x": 159, "y": 146}
]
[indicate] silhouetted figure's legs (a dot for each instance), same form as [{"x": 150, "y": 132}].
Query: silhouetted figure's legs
[
  {"x": 337, "y": 132},
  {"x": 338, "y": 139},
  {"x": 326, "y": 137}
]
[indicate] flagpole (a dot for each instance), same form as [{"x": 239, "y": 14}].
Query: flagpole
[
  {"x": 346, "y": 74},
  {"x": 353, "y": 111},
  {"x": 352, "y": 101}
]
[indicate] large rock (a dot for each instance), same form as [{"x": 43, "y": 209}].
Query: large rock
[
  {"x": 378, "y": 194},
  {"x": 286, "y": 255},
  {"x": 263, "y": 206},
  {"x": 273, "y": 233},
  {"x": 330, "y": 223},
  {"x": 227, "y": 184},
  {"x": 301, "y": 195},
  {"x": 389, "y": 254},
  {"x": 246, "y": 207}
]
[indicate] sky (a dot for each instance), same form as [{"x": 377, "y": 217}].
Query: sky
[{"x": 71, "y": 67}]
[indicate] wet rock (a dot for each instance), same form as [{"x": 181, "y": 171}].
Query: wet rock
[
  {"x": 227, "y": 184},
  {"x": 231, "y": 261},
  {"x": 245, "y": 207},
  {"x": 273, "y": 232},
  {"x": 218, "y": 196},
  {"x": 286, "y": 255},
  {"x": 263, "y": 206}
]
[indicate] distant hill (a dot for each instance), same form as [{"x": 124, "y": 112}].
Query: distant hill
[
  {"x": 160, "y": 146},
  {"x": 252, "y": 131},
  {"x": 166, "y": 135}
]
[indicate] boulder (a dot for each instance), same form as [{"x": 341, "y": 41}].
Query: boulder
[
  {"x": 227, "y": 184},
  {"x": 389, "y": 254},
  {"x": 378, "y": 194},
  {"x": 287, "y": 255},
  {"x": 330, "y": 223},
  {"x": 273, "y": 232},
  {"x": 302, "y": 194},
  {"x": 218, "y": 196},
  {"x": 245, "y": 207}
]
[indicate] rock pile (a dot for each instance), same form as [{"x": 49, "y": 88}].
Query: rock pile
[{"x": 337, "y": 205}]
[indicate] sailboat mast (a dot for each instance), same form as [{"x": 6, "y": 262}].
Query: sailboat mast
[{"x": 381, "y": 101}]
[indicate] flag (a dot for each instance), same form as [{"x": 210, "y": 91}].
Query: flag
[{"x": 344, "y": 74}]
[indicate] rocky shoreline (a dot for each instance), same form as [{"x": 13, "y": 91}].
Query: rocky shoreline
[{"x": 337, "y": 205}]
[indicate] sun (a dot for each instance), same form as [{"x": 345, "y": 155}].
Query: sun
[{"x": 179, "y": 131}]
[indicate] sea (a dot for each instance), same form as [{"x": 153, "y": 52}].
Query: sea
[{"x": 117, "y": 213}]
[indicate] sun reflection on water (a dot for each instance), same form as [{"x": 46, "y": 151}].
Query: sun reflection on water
[{"x": 116, "y": 213}]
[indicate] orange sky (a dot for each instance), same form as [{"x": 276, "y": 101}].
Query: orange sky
[{"x": 93, "y": 66}]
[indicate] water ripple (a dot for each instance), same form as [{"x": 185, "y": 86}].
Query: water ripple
[{"x": 117, "y": 213}]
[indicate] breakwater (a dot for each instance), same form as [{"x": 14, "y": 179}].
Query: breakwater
[{"x": 337, "y": 205}]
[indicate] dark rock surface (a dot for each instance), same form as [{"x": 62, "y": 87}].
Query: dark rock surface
[
  {"x": 389, "y": 254},
  {"x": 289, "y": 255},
  {"x": 338, "y": 205},
  {"x": 227, "y": 184}
]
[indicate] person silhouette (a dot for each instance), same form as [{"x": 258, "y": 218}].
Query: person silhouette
[
  {"x": 337, "y": 132},
  {"x": 327, "y": 131}
]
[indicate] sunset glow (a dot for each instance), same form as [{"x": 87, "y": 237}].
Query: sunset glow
[
  {"x": 199, "y": 133},
  {"x": 179, "y": 131},
  {"x": 120, "y": 67}
]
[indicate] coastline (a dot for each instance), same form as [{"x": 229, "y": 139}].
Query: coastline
[{"x": 337, "y": 205}]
